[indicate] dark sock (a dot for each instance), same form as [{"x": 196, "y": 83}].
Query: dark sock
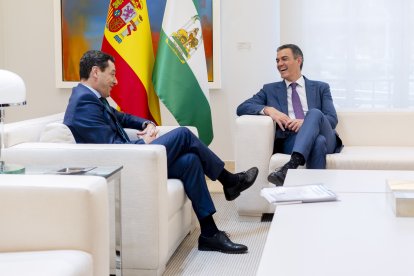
[
  {"x": 296, "y": 160},
  {"x": 208, "y": 226},
  {"x": 227, "y": 178}
]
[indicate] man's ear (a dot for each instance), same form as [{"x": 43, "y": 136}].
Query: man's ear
[
  {"x": 300, "y": 60},
  {"x": 94, "y": 72}
]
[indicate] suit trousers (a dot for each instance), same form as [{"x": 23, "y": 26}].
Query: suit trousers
[
  {"x": 314, "y": 140},
  {"x": 189, "y": 160}
]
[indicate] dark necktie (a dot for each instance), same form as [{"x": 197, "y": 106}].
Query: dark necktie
[
  {"x": 297, "y": 106},
  {"x": 120, "y": 129}
]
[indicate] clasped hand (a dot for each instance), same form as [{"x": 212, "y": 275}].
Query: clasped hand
[
  {"x": 294, "y": 124},
  {"x": 148, "y": 134},
  {"x": 283, "y": 120}
]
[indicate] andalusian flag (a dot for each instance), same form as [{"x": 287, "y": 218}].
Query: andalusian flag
[
  {"x": 180, "y": 72},
  {"x": 127, "y": 37}
]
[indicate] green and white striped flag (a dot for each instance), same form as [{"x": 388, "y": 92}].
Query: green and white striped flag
[{"x": 180, "y": 71}]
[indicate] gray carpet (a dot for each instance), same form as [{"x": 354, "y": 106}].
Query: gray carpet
[{"x": 187, "y": 260}]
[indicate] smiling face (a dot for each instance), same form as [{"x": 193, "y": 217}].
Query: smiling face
[
  {"x": 105, "y": 79},
  {"x": 288, "y": 65}
]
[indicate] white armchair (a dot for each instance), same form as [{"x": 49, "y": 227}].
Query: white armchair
[
  {"x": 53, "y": 225},
  {"x": 254, "y": 141},
  {"x": 369, "y": 145},
  {"x": 156, "y": 213}
]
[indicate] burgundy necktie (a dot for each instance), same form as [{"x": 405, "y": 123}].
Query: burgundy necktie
[{"x": 297, "y": 106}]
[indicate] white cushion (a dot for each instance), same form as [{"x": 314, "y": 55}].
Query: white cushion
[
  {"x": 46, "y": 263},
  {"x": 176, "y": 197},
  {"x": 360, "y": 158},
  {"x": 57, "y": 133}
]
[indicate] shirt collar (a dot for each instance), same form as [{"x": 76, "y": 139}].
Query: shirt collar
[
  {"x": 300, "y": 82},
  {"x": 93, "y": 90}
]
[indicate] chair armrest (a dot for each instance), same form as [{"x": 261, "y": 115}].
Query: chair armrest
[
  {"x": 164, "y": 129},
  {"x": 132, "y": 133},
  {"x": 40, "y": 212},
  {"x": 254, "y": 141},
  {"x": 143, "y": 189}
]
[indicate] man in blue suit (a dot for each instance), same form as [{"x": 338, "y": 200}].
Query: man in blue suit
[
  {"x": 303, "y": 111},
  {"x": 92, "y": 120}
]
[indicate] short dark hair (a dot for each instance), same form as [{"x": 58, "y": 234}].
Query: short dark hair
[
  {"x": 297, "y": 52},
  {"x": 93, "y": 58}
]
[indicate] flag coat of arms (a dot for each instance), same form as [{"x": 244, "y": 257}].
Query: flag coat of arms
[
  {"x": 180, "y": 71},
  {"x": 127, "y": 37}
]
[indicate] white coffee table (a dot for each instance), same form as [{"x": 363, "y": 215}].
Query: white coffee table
[{"x": 357, "y": 235}]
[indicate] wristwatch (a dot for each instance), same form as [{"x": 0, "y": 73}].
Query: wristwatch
[{"x": 146, "y": 123}]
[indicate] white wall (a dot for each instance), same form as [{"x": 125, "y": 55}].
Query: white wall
[
  {"x": 249, "y": 38},
  {"x": 244, "y": 24},
  {"x": 27, "y": 45},
  {"x": 2, "y": 23}
]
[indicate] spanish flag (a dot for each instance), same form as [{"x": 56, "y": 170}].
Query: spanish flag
[{"x": 127, "y": 37}]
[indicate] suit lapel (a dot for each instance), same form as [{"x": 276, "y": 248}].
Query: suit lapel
[
  {"x": 310, "y": 93},
  {"x": 282, "y": 97},
  {"x": 118, "y": 126},
  {"x": 108, "y": 110}
]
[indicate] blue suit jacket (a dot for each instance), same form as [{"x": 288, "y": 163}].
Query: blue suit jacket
[
  {"x": 274, "y": 94},
  {"x": 90, "y": 122}
]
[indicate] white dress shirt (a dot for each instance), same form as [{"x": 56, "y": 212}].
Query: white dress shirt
[{"x": 300, "y": 88}]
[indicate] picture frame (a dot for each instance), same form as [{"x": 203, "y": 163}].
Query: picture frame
[{"x": 65, "y": 59}]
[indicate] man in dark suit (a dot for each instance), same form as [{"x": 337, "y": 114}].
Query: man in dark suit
[
  {"x": 92, "y": 120},
  {"x": 303, "y": 111}
]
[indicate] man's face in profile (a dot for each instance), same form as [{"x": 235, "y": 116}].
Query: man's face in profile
[{"x": 106, "y": 79}]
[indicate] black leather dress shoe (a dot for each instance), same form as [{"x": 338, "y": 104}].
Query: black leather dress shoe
[
  {"x": 246, "y": 179},
  {"x": 220, "y": 242},
  {"x": 278, "y": 176}
]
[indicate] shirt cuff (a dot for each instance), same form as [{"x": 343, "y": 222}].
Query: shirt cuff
[{"x": 262, "y": 111}]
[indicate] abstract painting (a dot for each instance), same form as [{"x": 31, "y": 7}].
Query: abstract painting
[{"x": 80, "y": 25}]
